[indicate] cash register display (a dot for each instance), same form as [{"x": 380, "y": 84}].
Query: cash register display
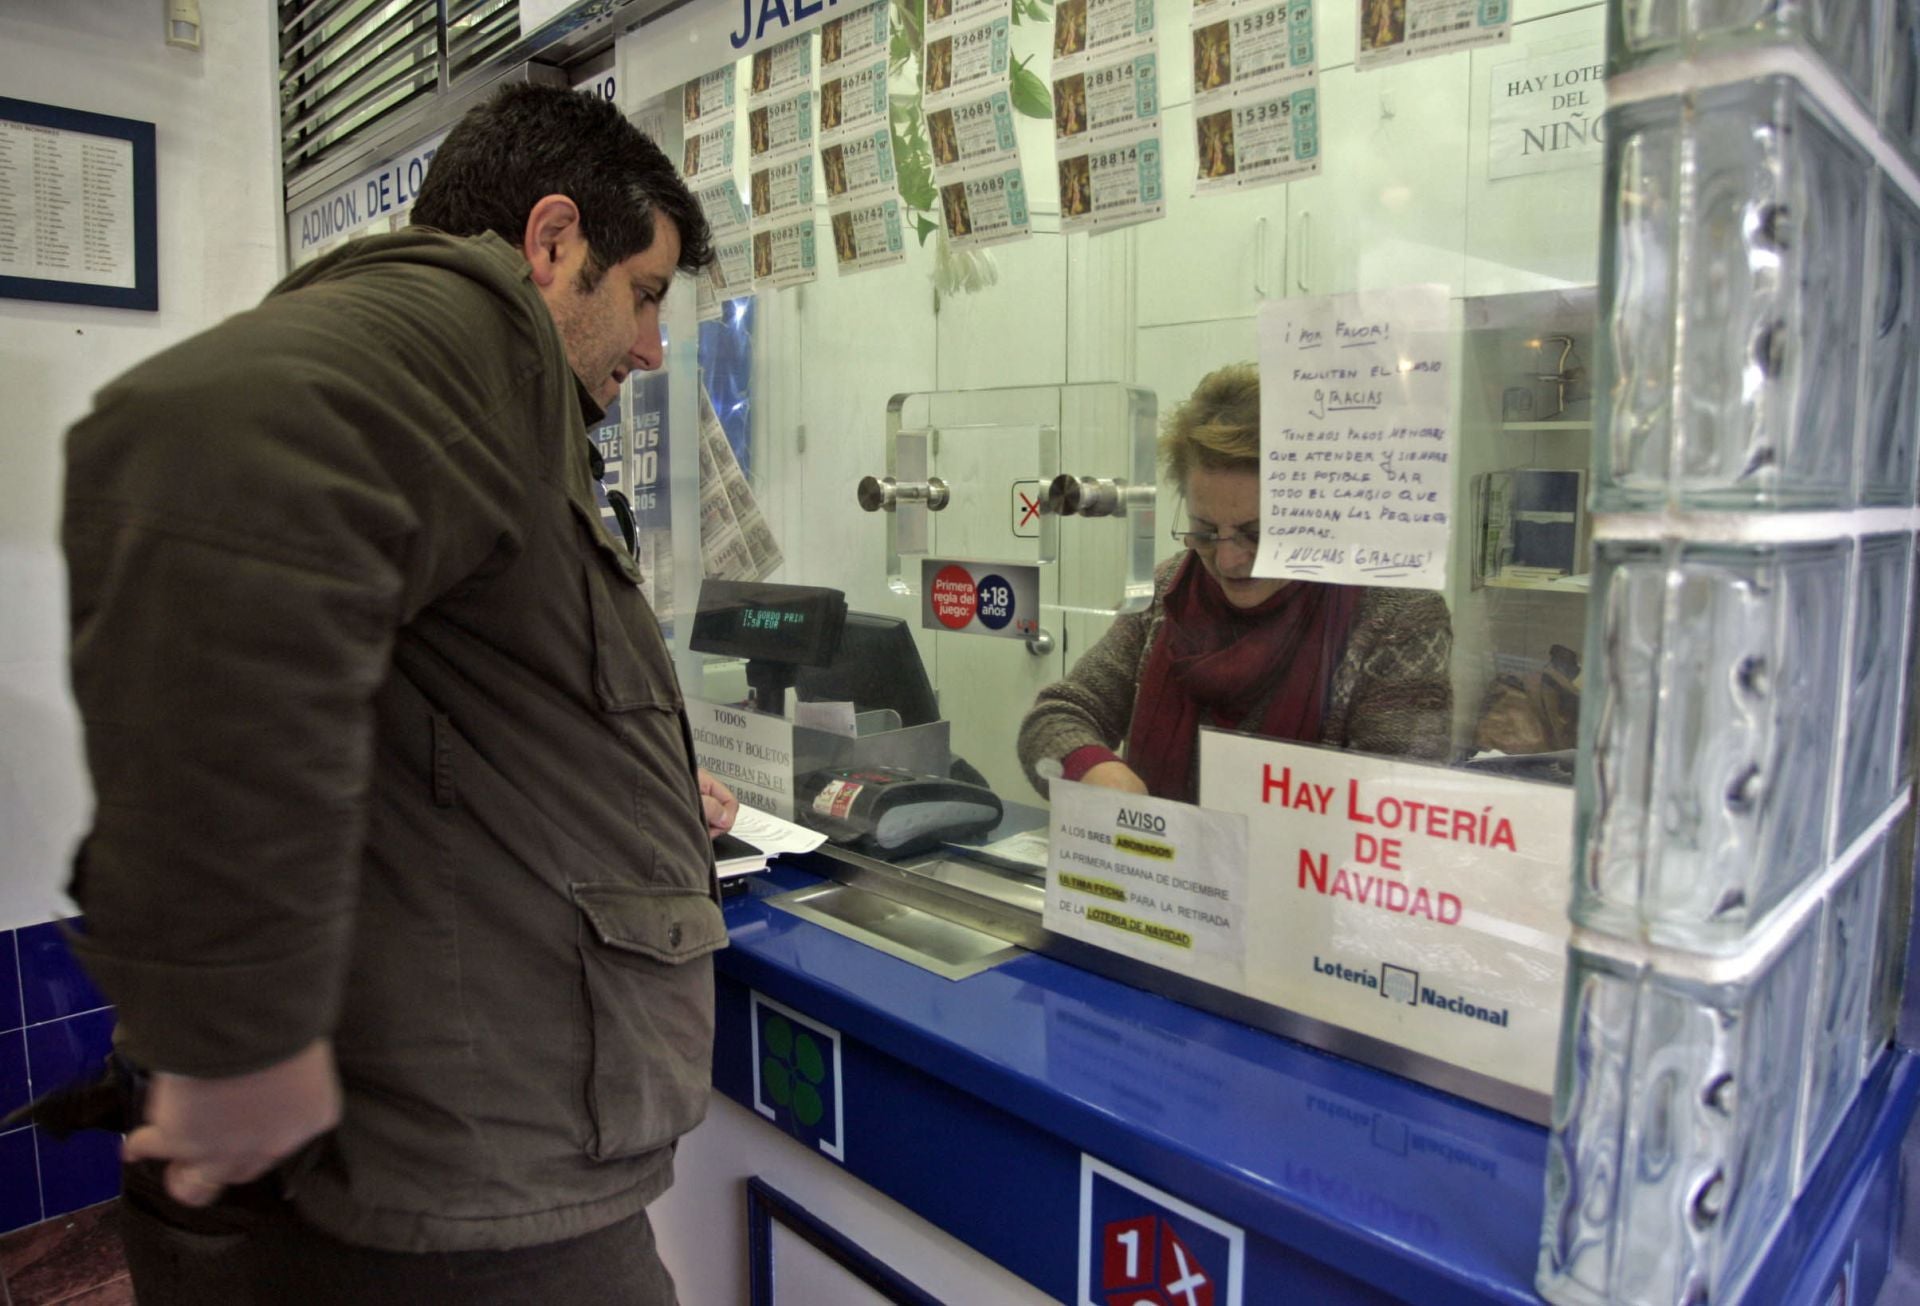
[{"x": 794, "y": 625}]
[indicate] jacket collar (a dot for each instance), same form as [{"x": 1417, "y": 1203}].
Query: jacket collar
[{"x": 590, "y": 410}]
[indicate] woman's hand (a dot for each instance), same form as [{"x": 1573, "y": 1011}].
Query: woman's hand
[
  {"x": 1115, "y": 775},
  {"x": 718, "y": 803}
]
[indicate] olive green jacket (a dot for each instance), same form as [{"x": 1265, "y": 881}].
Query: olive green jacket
[{"x": 387, "y": 748}]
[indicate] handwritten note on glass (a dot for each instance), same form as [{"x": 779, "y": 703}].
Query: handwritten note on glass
[{"x": 1356, "y": 438}]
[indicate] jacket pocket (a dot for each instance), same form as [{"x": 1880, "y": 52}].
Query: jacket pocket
[
  {"x": 631, "y": 666},
  {"x": 649, "y": 987}
]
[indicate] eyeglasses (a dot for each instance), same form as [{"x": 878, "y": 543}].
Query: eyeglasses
[{"x": 1246, "y": 538}]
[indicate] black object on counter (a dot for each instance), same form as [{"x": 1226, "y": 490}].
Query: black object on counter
[{"x": 892, "y": 812}]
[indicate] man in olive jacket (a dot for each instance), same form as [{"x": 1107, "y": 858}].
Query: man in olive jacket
[{"x": 400, "y": 874}]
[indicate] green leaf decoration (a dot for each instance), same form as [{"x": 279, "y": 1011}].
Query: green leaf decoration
[
  {"x": 1031, "y": 96},
  {"x": 779, "y": 1036},
  {"x": 916, "y": 190},
  {"x": 903, "y": 111},
  {"x": 914, "y": 168},
  {"x": 807, "y": 1060},
  {"x": 776, "y": 1080},
  {"x": 807, "y": 1106},
  {"x": 909, "y": 32},
  {"x": 912, "y": 155}
]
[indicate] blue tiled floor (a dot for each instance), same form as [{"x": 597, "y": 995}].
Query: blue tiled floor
[
  {"x": 80, "y": 1171},
  {"x": 14, "y": 1091},
  {"x": 67, "y": 1033},
  {"x": 63, "y": 1051},
  {"x": 52, "y": 984},
  {"x": 19, "y": 1180},
  {"x": 11, "y": 1015}
]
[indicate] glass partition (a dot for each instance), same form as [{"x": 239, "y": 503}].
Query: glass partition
[
  {"x": 1046, "y": 464},
  {"x": 1196, "y": 187},
  {"x": 1477, "y": 170}
]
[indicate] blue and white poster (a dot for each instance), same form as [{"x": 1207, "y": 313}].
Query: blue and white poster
[{"x": 652, "y": 506}]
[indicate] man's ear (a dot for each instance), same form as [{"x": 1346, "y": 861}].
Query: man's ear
[{"x": 553, "y": 228}]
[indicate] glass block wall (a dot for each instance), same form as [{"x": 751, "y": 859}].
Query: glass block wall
[{"x": 1744, "y": 876}]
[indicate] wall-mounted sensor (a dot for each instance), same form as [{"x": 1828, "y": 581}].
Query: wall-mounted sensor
[{"x": 183, "y": 24}]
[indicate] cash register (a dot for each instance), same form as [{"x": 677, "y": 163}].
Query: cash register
[{"x": 803, "y": 637}]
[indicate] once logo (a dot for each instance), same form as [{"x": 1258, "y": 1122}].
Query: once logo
[
  {"x": 796, "y": 1075},
  {"x": 792, "y": 1070}
]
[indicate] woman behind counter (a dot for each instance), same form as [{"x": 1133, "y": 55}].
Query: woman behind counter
[{"x": 1360, "y": 668}]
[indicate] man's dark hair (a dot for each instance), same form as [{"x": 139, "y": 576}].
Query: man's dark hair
[{"x": 528, "y": 142}]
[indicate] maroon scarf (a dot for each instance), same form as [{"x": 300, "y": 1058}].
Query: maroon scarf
[{"x": 1215, "y": 664}]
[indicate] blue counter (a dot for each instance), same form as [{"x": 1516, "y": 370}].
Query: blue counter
[{"x": 1082, "y": 1132}]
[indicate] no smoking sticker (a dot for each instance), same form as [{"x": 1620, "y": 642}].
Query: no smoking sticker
[{"x": 1027, "y": 501}]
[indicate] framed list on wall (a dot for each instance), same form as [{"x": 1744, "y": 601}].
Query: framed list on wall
[{"x": 77, "y": 207}]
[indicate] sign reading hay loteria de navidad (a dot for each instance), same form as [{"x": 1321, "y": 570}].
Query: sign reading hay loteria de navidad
[{"x": 1419, "y": 905}]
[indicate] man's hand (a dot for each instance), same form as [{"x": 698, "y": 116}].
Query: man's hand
[
  {"x": 215, "y": 1132},
  {"x": 1115, "y": 775},
  {"x": 719, "y": 804}
]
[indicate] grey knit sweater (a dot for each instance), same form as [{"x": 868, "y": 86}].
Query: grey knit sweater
[{"x": 1391, "y": 693}]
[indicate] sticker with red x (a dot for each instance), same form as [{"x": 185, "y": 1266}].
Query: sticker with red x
[{"x": 1027, "y": 501}]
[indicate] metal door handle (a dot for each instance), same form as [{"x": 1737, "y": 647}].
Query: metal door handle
[
  {"x": 1095, "y": 496},
  {"x": 884, "y": 494}
]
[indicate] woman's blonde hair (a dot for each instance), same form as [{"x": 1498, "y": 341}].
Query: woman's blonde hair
[{"x": 1217, "y": 427}]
